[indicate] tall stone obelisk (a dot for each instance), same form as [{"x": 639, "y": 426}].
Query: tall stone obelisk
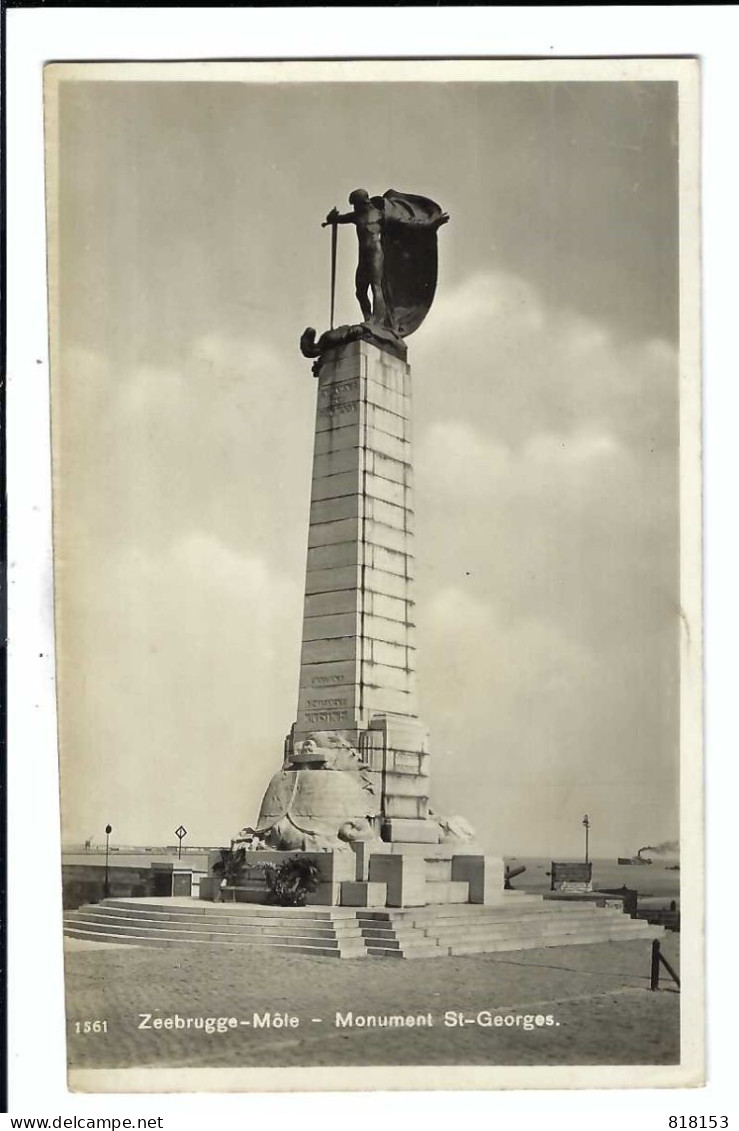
[
  {"x": 356, "y": 760},
  {"x": 358, "y": 666}
]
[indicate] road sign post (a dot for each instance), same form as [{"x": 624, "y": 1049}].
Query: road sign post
[{"x": 180, "y": 833}]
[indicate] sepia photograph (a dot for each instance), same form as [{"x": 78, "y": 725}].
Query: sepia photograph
[{"x": 376, "y": 517}]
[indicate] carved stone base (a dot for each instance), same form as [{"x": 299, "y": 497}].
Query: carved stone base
[{"x": 381, "y": 336}]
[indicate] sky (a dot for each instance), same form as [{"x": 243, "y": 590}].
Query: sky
[{"x": 545, "y": 378}]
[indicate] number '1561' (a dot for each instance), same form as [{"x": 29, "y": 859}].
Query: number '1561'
[{"x": 102, "y": 1027}]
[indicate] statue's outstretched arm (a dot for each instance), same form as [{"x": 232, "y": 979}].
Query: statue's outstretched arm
[{"x": 335, "y": 217}]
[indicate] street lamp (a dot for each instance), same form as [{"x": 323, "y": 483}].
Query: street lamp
[
  {"x": 586, "y": 826},
  {"x": 106, "y": 885}
]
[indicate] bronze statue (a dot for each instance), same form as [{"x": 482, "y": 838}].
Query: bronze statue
[{"x": 397, "y": 267}]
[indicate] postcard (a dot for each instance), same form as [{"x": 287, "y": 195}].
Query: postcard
[{"x": 376, "y": 489}]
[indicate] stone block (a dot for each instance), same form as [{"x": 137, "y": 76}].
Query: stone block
[
  {"x": 334, "y": 486},
  {"x": 387, "y": 399},
  {"x": 390, "y": 655},
  {"x": 331, "y": 603},
  {"x": 389, "y": 608},
  {"x": 336, "y": 674},
  {"x": 377, "y": 557},
  {"x": 384, "y": 421},
  {"x": 331, "y": 510},
  {"x": 441, "y": 892},
  {"x": 391, "y": 631},
  {"x": 339, "y": 530},
  {"x": 316, "y": 651},
  {"x": 363, "y": 850},
  {"x": 329, "y": 626},
  {"x": 417, "y": 832},
  {"x": 390, "y": 537},
  {"x": 344, "y": 391},
  {"x": 329, "y": 580},
  {"x": 337, "y": 462},
  {"x": 411, "y": 762},
  {"x": 484, "y": 874},
  {"x": 325, "y": 895},
  {"x": 401, "y": 734},
  {"x": 347, "y": 362},
  {"x": 391, "y": 514},
  {"x": 396, "y": 380},
  {"x": 388, "y": 584},
  {"x": 328, "y": 699},
  {"x": 207, "y": 888},
  {"x": 389, "y": 468},
  {"x": 337, "y": 439},
  {"x": 380, "y": 676},
  {"x": 407, "y": 785},
  {"x": 385, "y": 444},
  {"x": 329, "y": 719},
  {"x": 405, "y": 807},
  {"x": 363, "y": 894},
  {"x": 336, "y": 556},
  {"x": 338, "y": 415},
  {"x": 383, "y": 699},
  {"x": 405, "y": 877},
  {"x": 394, "y": 491}
]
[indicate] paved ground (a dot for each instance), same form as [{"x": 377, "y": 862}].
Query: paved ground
[{"x": 597, "y": 996}]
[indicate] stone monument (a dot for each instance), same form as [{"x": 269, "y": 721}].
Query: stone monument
[{"x": 354, "y": 787}]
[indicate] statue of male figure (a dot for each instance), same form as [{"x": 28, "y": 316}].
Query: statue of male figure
[
  {"x": 396, "y": 233},
  {"x": 368, "y": 220}
]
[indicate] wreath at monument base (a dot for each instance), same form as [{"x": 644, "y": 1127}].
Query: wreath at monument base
[{"x": 291, "y": 882}]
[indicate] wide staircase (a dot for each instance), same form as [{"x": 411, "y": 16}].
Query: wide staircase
[{"x": 519, "y": 922}]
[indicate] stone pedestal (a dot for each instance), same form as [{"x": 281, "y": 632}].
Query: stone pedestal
[
  {"x": 354, "y": 784},
  {"x": 357, "y": 666}
]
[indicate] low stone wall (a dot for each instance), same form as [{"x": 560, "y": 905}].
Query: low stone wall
[{"x": 85, "y": 883}]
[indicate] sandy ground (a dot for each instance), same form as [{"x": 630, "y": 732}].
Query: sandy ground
[{"x": 597, "y": 995}]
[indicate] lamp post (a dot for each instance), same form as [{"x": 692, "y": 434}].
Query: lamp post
[
  {"x": 586, "y": 826},
  {"x": 106, "y": 885}
]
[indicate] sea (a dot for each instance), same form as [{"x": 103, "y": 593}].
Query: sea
[{"x": 658, "y": 884}]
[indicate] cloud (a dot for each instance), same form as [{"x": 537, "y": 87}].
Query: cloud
[{"x": 495, "y": 352}]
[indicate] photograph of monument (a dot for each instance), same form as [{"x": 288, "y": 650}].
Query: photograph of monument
[{"x": 367, "y": 509}]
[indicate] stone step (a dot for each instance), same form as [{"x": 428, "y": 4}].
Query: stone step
[
  {"x": 205, "y": 907},
  {"x": 535, "y": 942},
  {"x": 191, "y": 934},
  {"x": 315, "y": 929},
  {"x": 161, "y": 941},
  {"x": 401, "y": 933},
  {"x": 476, "y": 916},
  {"x": 419, "y": 950},
  {"x": 141, "y": 930},
  {"x": 517, "y": 929},
  {"x": 470, "y": 911}
]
